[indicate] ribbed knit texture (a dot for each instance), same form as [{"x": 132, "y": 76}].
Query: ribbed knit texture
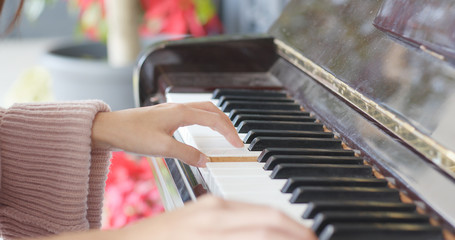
[{"x": 52, "y": 181}]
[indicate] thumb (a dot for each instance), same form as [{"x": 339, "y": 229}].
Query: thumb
[{"x": 188, "y": 154}]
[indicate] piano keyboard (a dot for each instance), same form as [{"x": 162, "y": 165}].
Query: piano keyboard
[{"x": 291, "y": 162}]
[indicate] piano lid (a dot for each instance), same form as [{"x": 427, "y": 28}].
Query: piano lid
[{"x": 391, "y": 59}]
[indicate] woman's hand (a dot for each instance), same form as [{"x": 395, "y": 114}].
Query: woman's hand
[
  {"x": 207, "y": 219},
  {"x": 149, "y": 130},
  {"x": 213, "y": 218}
]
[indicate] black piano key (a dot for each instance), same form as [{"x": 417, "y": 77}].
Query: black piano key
[
  {"x": 310, "y": 194},
  {"x": 242, "y": 117},
  {"x": 278, "y": 159},
  {"x": 226, "y": 98},
  {"x": 247, "y": 92},
  {"x": 260, "y": 143},
  {"x": 295, "y": 182},
  {"x": 235, "y": 112},
  {"x": 288, "y": 170},
  {"x": 268, "y": 152},
  {"x": 252, "y": 134},
  {"x": 323, "y": 219},
  {"x": 248, "y": 125},
  {"x": 385, "y": 231},
  {"x": 314, "y": 208},
  {"x": 229, "y": 105}
]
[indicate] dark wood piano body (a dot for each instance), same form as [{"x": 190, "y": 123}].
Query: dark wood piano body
[{"x": 378, "y": 73}]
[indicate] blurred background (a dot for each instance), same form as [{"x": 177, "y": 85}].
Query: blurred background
[
  {"x": 46, "y": 25},
  {"x": 85, "y": 49}
]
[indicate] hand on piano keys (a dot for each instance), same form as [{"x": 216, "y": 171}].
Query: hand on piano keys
[
  {"x": 291, "y": 162},
  {"x": 149, "y": 130},
  {"x": 214, "y": 218}
]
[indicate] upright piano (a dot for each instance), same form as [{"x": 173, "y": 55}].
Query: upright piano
[{"x": 345, "y": 108}]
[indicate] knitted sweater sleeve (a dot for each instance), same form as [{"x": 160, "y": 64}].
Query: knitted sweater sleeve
[{"x": 52, "y": 180}]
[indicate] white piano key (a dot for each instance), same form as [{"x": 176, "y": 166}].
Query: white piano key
[
  {"x": 247, "y": 188},
  {"x": 190, "y": 97},
  {"x": 239, "y": 172},
  {"x": 249, "y": 182},
  {"x": 274, "y": 198},
  {"x": 197, "y": 131},
  {"x": 222, "y": 172},
  {"x": 235, "y": 165},
  {"x": 263, "y": 198},
  {"x": 214, "y": 142},
  {"x": 234, "y": 173},
  {"x": 230, "y": 152},
  {"x": 214, "y": 146}
]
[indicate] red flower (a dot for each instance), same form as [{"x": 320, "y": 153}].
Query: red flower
[
  {"x": 131, "y": 193},
  {"x": 179, "y": 17}
]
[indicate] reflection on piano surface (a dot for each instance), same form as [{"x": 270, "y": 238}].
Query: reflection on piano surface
[{"x": 346, "y": 117}]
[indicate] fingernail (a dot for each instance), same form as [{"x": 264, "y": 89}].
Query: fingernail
[{"x": 202, "y": 161}]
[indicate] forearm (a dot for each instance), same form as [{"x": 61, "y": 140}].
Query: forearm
[
  {"x": 88, "y": 235},
  {"x": 208, "y": 218}
]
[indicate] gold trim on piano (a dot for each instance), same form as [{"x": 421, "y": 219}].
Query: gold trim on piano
[{"x": 425, "y": 145}]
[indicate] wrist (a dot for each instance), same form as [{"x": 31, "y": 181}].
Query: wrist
[{"x": 101, "y": 130}]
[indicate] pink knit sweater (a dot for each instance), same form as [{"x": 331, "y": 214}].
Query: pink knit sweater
[{"x": 51, "y": 179}]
